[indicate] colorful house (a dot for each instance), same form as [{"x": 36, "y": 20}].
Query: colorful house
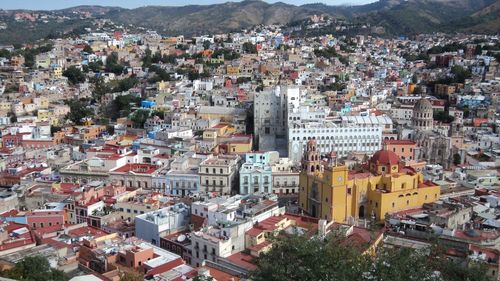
[{"x": 332, "y": 192}]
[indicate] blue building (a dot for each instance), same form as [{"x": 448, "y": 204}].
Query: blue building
[
  {"x": 183, "y": 178},
  {"x": 147, "y": 104},
  {"x": 256, "y": 172}
]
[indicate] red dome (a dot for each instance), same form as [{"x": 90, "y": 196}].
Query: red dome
[{"x": 385, "y": 157}]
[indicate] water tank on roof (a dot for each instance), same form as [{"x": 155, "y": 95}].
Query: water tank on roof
[{"x": 181, "y": 238}]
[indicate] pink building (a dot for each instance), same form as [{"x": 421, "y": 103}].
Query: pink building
[{"x": 53, "y": 214}]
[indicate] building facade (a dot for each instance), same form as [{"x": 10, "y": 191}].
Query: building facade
[
  {"x": 219, "y": 174},
  {"x": 256, "y": 172},
  {"x": 331, "y": 192}
]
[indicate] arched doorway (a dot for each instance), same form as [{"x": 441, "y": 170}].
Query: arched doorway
[{"x": 361, "y": 213}]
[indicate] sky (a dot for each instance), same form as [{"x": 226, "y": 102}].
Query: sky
[{"x": 61, "y": 4}]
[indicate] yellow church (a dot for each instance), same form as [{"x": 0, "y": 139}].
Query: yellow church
[{"x": 332, "y": 192}]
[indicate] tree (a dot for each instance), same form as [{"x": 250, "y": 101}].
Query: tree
[
  {"x": 112, "y": 64},
  {"x": 13, "y": 117},
  {"x": 35, "y": 268},
  {"x": 29, "y": 59},
  {"x": 95, "y": 66},
  {"x": 100, "y": 88},
  {"x": 74, "y": 75},
  {"x": 78, "y": 111},
  {"x": 460, "y": 73},
  {"x": 418, "y": 90},
  {"x": 139, "y": 117},
  {"x": 294, "y": 257},
  {"x": 147, "y": 59},
  {"x": 206, "y": 44},
  {"x": 299, "y": 258},
  {"x": 54, "y": 129},
  {"x": 249, "y": 48},
  {"x": 457, "y": 159},
  {"x": 110, "y": 129},
  {"x": 5, "y": 53},
  {"x": 443, "y": 116},
  {"x": 122, "y": 105},
  {"x": 87, "y": 49}
]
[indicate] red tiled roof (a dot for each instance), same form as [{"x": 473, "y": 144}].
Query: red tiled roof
[
  {"x": 242, "y": 260},
  {"x": 87, "y": 230},
  {"x": 260, "y": 246},
  {"x": 137, "y": 168},
  {"x": 254, "y": 231},
  {"x": 221, "y": 275},
  {"x": 11, "y": 213}
]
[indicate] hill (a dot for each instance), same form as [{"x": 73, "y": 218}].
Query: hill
[
  {"x": 397, "y": 17},
  {"x": 196, "y": 19}
]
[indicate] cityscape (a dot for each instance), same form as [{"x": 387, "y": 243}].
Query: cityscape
[{"x": 250, "y": 140}]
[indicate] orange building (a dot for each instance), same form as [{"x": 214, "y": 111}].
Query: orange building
[{"x": 404, "y": 149}]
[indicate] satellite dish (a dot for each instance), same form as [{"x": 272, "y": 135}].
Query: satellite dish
[{"x": 181, "y": 238}]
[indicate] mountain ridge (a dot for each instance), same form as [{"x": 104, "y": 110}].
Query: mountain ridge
[{"x": 397, "y": 17}]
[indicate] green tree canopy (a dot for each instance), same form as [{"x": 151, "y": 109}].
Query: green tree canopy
[
  {"x": 74, "y": 75},
  {"x": 78, "y": 111},
  {"x": 5, "y": 54},
  {"x": 112, "y": 64},
  {"x": 298, "y": 258},
  {"x": 34, "y": 269},
  {"x": 443, "y": 116},
  {"x": 457, "y": 159},
  {"x": 460, "y": 73},
  {"x": 87, "y": 49},
  {"x": 139, "y": 117},
  {"x": 249, "y": 48}
]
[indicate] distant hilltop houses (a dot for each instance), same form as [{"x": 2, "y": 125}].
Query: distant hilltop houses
[{"x": 123, "y": 150}]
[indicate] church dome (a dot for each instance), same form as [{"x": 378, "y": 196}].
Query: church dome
[
  {"x": 423, "y": 105},
  {"x": 385, "y": 157}
]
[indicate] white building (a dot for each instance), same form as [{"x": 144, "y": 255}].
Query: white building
[
  {"x": 285, "y": 176},
  {"x": 228, "y": 219},
  {"x": 151, "y": 225},
  {"x": 332, "y": 136}
]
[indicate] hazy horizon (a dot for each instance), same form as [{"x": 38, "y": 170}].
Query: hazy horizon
[{"x": 62, "y": 4}]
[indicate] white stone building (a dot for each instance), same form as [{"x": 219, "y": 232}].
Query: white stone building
[{"x": 150, "y": 226}]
